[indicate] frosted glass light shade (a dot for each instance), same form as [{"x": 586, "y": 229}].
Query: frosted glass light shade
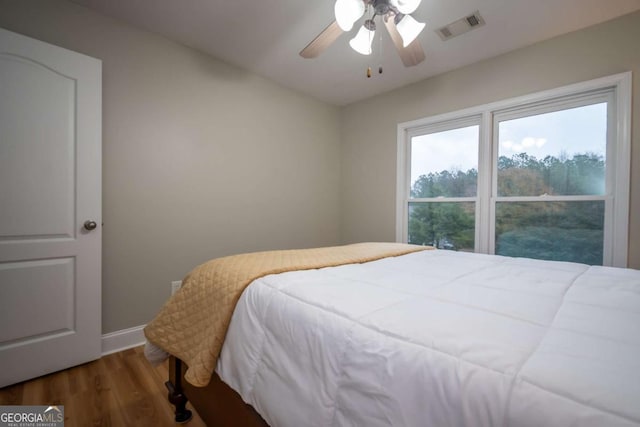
[
  {"x": 409, "y": 29},
  {"x": 406, "y": 6},
  {"x": 361, "y": 43},
  {"x": 348, "y": 12}
]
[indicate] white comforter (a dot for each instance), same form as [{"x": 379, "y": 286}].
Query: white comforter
[{"x": 440, "y": 338}]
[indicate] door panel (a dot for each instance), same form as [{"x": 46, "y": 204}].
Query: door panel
[
  {"x": 37, "y": 122},
  {"x": 50, "y": 183},
  {"x": 38, "y": 299}
]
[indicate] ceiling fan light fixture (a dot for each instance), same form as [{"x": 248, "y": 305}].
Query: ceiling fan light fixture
[
  {"x": 406, "y": 6},
  {"x": 409, "y": 29},
  {"x": 348, "y": 12},
  {"x": 361, "y": 43}
]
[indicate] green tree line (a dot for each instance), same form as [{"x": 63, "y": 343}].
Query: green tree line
[{"x": 568, "y": 231}]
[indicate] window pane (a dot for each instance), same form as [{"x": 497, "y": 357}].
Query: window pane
[
  {"x": 561, "y": 231},
  {"x": 444, "y": 225},
  {"x": 445, "y": 163},
  {"x": 558, "y": 153}
]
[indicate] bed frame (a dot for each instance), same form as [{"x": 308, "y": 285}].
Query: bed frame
[{"x": 217, "y": 404}]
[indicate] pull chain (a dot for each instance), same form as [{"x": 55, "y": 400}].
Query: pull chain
[
  {"x": 369, "y": 72},
  {"x": 380, "y": 52}
]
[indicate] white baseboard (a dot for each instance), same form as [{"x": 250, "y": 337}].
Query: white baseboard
[{"x": 122, "y": 339}]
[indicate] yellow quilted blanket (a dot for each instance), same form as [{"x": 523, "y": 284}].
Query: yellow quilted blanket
[{"x": 193, "y": 323}]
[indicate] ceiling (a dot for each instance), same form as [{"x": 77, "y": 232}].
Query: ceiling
[{"x": 265, "y": 36}]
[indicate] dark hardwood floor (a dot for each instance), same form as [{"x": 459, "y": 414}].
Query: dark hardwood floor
[{"x": 121, "y": 389}]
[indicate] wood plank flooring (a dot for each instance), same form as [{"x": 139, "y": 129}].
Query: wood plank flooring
[{"x": 121, "y": 389}]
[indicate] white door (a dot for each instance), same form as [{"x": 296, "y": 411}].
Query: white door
[{"x": 50, "y": 184}]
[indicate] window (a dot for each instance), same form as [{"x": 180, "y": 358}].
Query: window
[
  {"x": 544, "y": 176},
  {"x": 444, "y": 186}
]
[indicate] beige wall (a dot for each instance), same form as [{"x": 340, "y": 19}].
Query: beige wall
[
  {"x": 200, "y": 159},
  {"x": 369, "y": 127}
]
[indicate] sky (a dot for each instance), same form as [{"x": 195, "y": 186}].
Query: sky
[{"x": 573, "y": 131}]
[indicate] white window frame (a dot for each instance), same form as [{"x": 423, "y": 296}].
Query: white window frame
[
  {"x": 442, "y": 126},
  {"x": 618, "y": 157}
]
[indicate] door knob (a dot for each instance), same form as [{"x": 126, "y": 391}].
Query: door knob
[{"x": 90, "y": 225}]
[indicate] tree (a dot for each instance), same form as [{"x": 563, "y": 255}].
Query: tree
[
  {"x": 454, "y": 183},
  {"x": 546, "y": 229},
  {"x": 443, "y": 225}
]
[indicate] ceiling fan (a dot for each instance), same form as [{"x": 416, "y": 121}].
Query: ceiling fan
[{"x": 402, "y": 28}]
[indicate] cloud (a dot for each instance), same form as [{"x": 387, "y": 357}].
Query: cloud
[
  {"x": 526, "y": 143},
  {"x": 533, "y": 142}
]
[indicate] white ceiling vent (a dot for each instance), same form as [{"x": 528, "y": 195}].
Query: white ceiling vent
[{"x": 461, "y": 26}]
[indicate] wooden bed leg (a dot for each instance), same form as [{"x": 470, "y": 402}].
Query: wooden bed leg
[{"x": 176, "y": 395}]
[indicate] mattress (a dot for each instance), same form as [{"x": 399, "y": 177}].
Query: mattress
[{"x": 439, "y": 338}]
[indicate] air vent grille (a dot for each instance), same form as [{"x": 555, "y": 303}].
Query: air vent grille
[
  {"x": 473, "y": 20},
  {"x": 461, "y": 26}
]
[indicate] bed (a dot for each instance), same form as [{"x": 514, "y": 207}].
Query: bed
[{"x": 413, "y": 337}]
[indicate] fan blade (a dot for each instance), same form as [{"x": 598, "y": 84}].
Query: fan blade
[
  {"x": 322, "y": 41},
  {"x": 410, "y": 55}
]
